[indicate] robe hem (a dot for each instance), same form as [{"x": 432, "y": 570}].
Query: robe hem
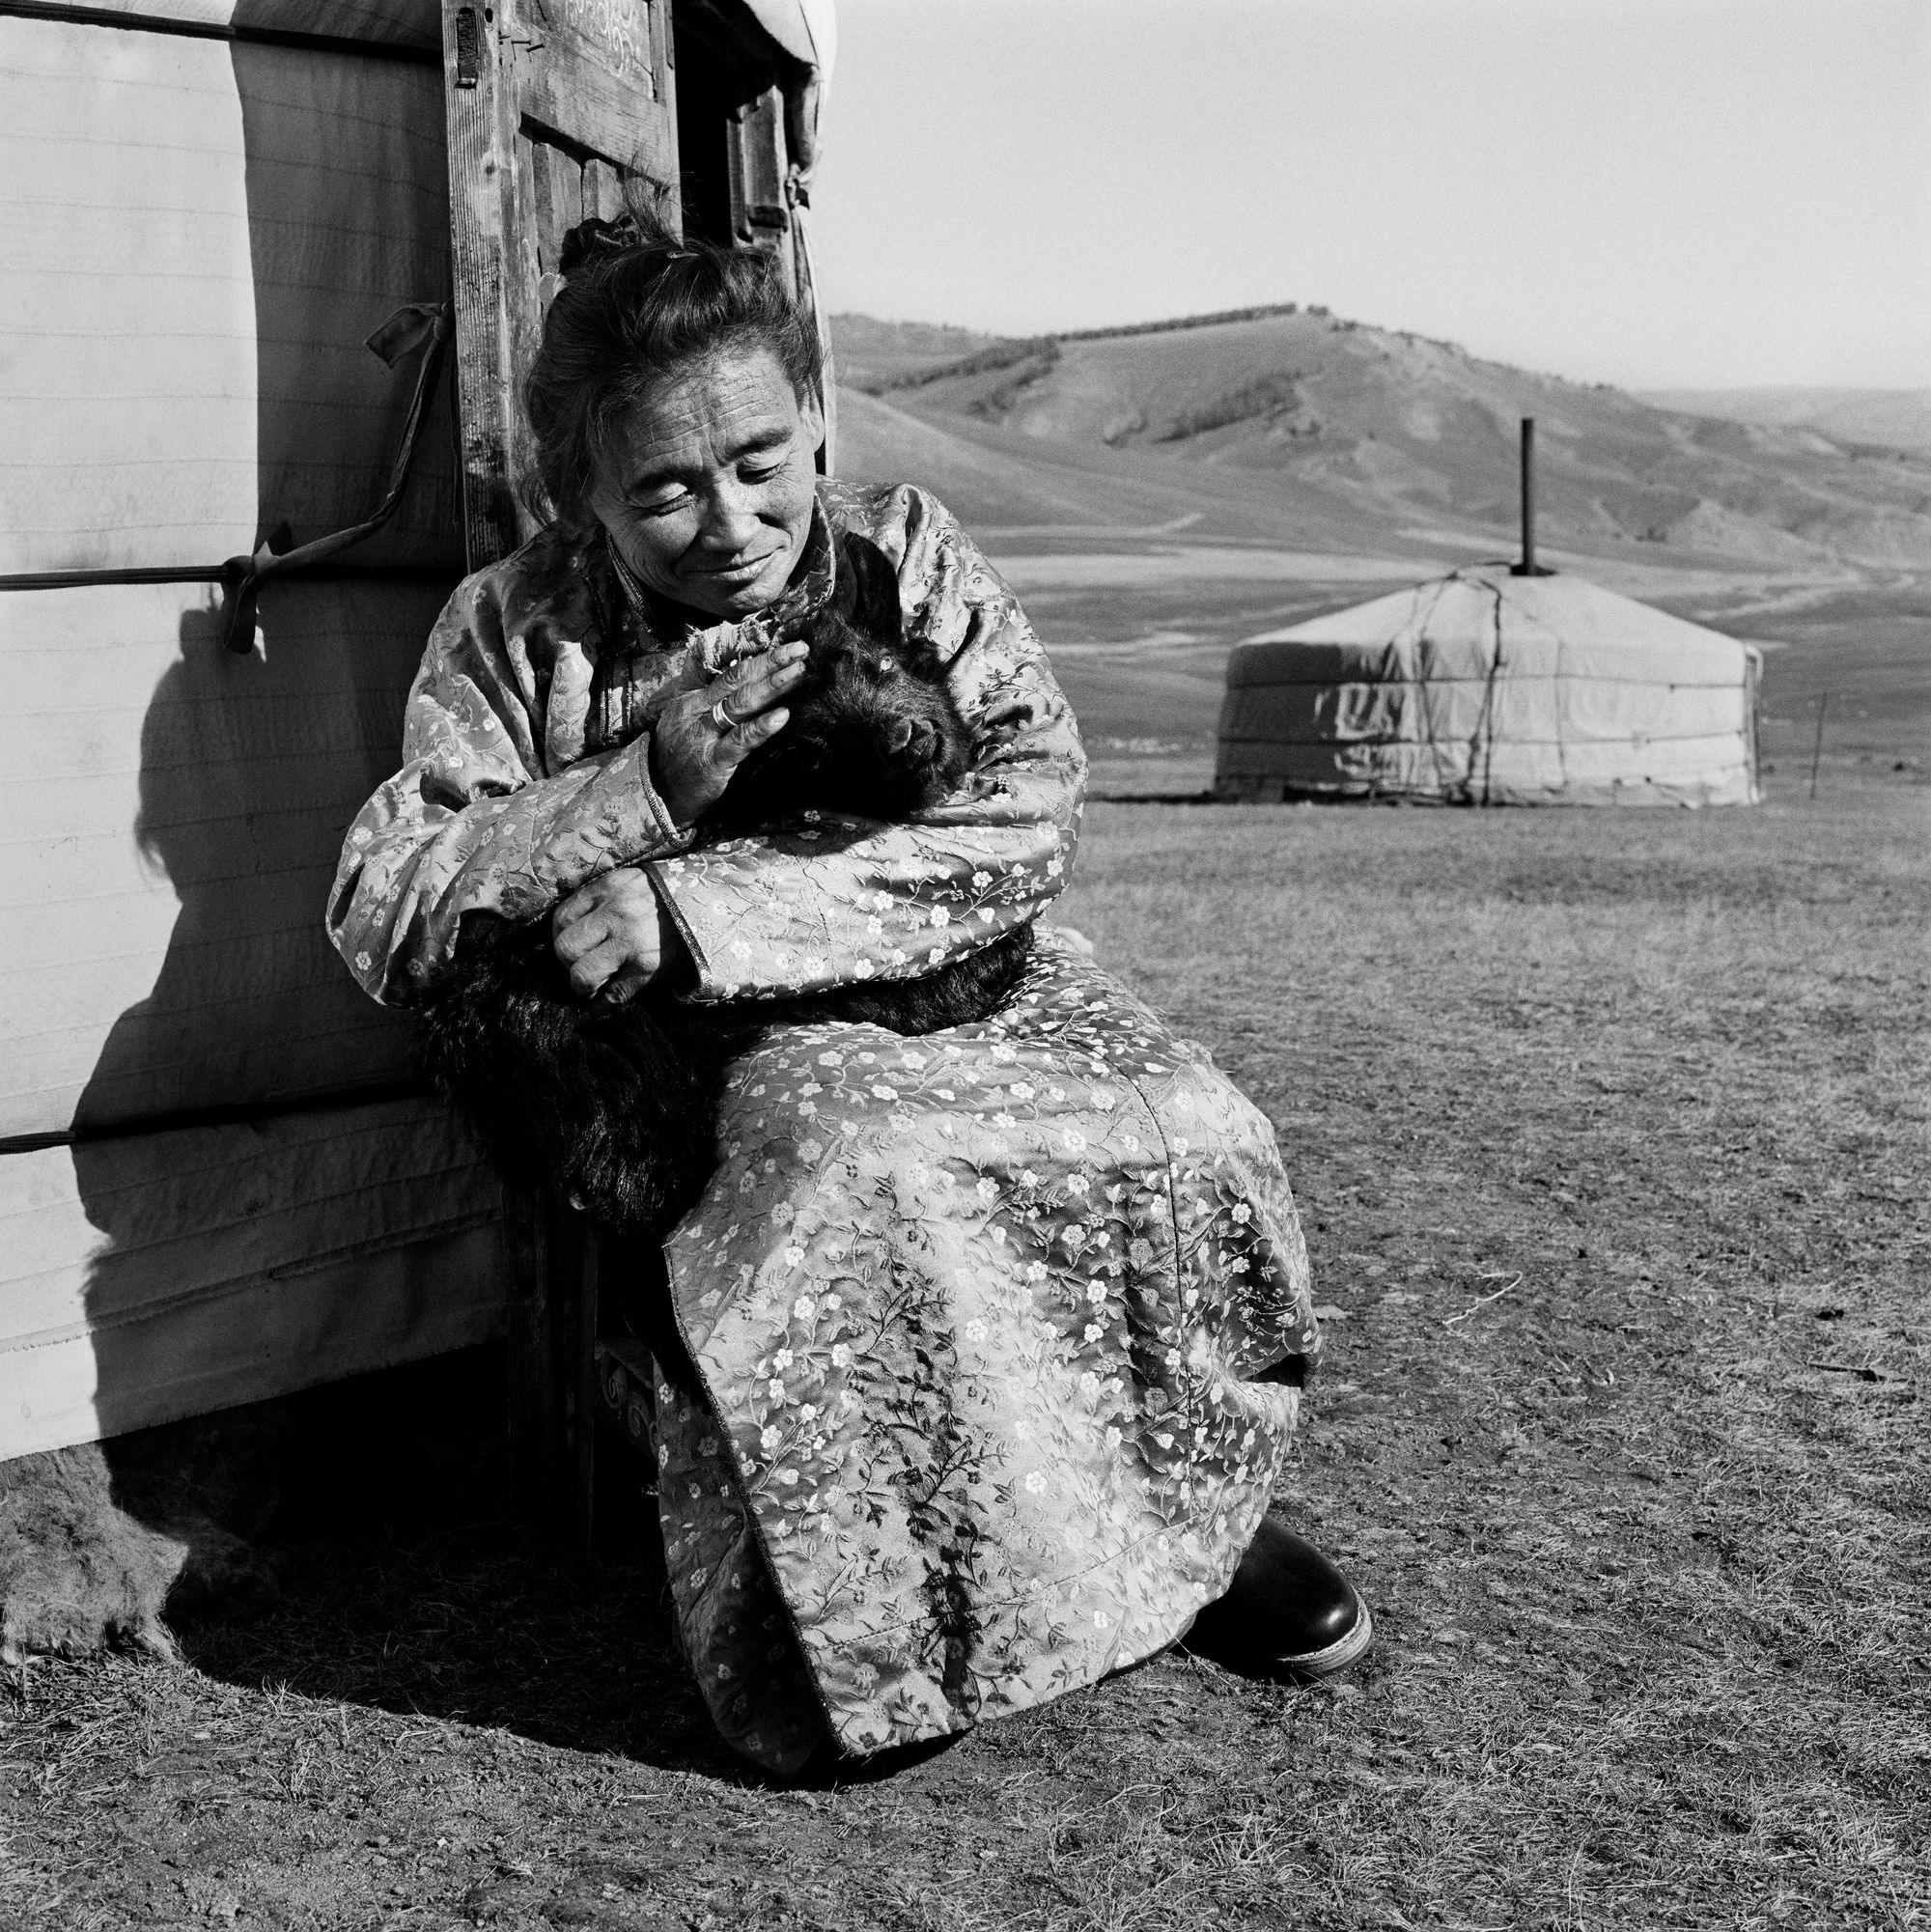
[{"x": 696, "y": 1361}]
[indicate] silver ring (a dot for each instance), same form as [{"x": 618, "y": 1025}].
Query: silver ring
[{"x": 721, "y": 718}]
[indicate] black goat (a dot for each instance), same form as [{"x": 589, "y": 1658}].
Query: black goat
[{"x": 617, "y": 1104}]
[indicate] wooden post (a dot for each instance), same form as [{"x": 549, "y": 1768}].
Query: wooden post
[
  {"x": 552, "y": 114},
  {"x": 1753, "y": 719},
  {"x": 578, "y": 1379},
  {"x": 472, "y": 80},
  {"x": 551, "y": 1334},
  {"x": 531, "y": 1354}
]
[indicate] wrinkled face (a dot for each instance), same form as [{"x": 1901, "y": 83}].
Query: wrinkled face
[{"x": 707, "y": 488}]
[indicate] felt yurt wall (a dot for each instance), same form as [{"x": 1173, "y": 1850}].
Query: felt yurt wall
[
  {"x": 1485, "y": 688},
  {"x": 208, "y": 1192}
]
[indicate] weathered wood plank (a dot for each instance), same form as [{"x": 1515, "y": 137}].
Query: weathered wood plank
[
  {"x": 666, "y": 174},
  {"x": 759, "y": 212},
  {"x": 586, "y": 73},
  {"x": 602, "y": 191},
  {"x": 473, "y": 81},
  {"x": 556, "y": 197}
]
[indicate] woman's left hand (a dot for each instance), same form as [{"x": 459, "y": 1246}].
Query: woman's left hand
[{"x": 615, "y": 937}]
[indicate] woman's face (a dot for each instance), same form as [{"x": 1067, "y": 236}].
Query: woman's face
[{"x": 707, "y": 487}]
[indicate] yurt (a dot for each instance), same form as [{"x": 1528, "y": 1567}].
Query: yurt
[
  {"x": 256, "y": 424},
  {"x": 1489, "y": 687},
  {"x": 1500, "y": 684}
]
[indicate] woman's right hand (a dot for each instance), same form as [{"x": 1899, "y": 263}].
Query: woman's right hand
[{"x": 692, "y": 757}]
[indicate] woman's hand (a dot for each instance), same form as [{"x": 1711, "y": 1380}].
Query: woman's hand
[
  {"x": 692, "y": 755},
  {"x": 615, "y": 937}
]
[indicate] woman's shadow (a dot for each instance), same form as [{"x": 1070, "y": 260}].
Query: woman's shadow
[{"x": 351, "y": 1540}]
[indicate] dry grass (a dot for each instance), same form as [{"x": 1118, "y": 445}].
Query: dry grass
[{"x": 1611, "y": 1136}]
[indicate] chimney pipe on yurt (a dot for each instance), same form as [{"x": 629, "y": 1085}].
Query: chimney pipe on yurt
[{"x": 1528, "y": 567}]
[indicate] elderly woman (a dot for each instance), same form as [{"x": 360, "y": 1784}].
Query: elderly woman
[{"x": 987, "y": 1345}]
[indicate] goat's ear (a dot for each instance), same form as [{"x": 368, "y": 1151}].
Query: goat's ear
[{"x": 867, "y": 593}]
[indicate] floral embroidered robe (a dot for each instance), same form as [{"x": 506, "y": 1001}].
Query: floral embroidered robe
[{"x": 1000, "y": 1331}]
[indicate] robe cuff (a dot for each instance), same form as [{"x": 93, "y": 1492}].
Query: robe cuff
[
  {"x": 761, "y": 921},
  {"x": 666, "y": 835},
  {"x": 634, "y": 826}
]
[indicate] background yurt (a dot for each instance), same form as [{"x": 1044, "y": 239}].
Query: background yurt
[
  {"x": 1495, "y": 684},
  {"x": 228, "y": 320}
]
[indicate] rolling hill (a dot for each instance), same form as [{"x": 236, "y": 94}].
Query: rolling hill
[
  {"x": 875, "y": 354},
  {"x": 1157, "y": 494},
  {"x": 1294, "y": 421},
  {"x": 1897, "y": 418}
]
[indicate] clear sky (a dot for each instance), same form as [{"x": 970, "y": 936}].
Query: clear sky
[{"x": 1657, "y": 193}]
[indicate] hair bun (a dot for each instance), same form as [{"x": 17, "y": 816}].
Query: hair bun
[{"x": 598, "y": 241}]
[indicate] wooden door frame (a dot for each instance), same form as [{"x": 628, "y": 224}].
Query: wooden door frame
[
  {"x": 530, "y": 153},
  {"x": 519, "y": 132},
  {"x": 496, "y": 92}
]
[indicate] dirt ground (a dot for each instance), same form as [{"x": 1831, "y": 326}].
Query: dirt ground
[{"x": 1613, "y": 1134}]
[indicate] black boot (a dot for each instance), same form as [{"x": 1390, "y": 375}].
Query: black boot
[{"x": 1289, "y": 1613}]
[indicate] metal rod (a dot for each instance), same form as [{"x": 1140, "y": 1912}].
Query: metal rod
[
  {"x": 412, "y": 53},
  {"x": 1527, "y": 496},
  {"x": 234, "y": 1114},
  {"x": 349, "y": 572},
  {"x": 1817, "y": 750}
]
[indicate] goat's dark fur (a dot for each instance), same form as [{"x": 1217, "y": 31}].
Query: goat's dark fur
[{"x": 617, "y": 1104}]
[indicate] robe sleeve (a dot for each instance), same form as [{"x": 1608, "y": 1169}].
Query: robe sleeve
[
  {"x": 824, "y": 901},
  {"x": 473, "y": 822}
]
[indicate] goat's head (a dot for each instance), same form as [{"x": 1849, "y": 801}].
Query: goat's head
[{"x": 872, "y": 730}]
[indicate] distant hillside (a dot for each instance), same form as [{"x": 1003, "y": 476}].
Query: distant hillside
[
  {"x": 906, "y": 355},
  {"x": 873, "y": 355},
  {"x": 1900, "y": 418},
  {"x": 1311, "y": 420}
]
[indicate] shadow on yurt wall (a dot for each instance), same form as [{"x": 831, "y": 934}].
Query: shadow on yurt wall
[
  {"x": 214, "y": 1184},
  {"x": 348, "y": 197}
]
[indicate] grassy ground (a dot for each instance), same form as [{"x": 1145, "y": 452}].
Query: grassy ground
[{"x": 1612, "y": 1133}]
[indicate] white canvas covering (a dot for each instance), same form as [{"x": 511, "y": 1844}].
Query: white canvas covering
[
  {"x": 166, "y": 1274},
  {"x": 199, "y": 236},
  {"x": 1484, "y": 687},
  {"x": 805, "y": 29}
]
